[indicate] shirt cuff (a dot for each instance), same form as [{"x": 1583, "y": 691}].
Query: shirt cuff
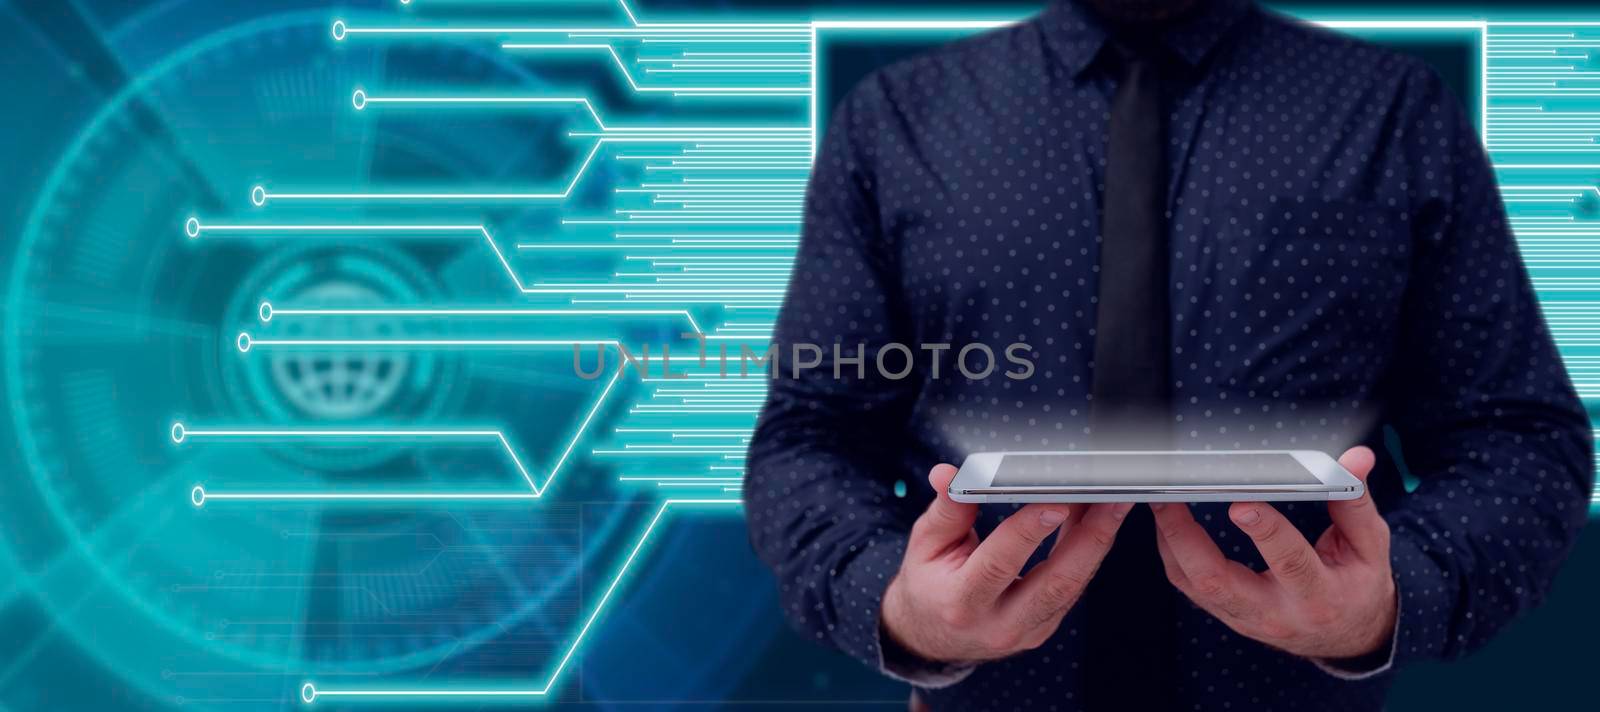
[
  {"x": 1372, "y": 664},
  {"x": 900, "y": 664}
]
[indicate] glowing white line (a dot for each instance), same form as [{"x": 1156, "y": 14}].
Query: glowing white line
[
  {"x": 1576, "y": 188},
  {"x": 199, "y": 495},
  {"x": 361, "y": 497},
  {"x": 195, "y": 228},
  {"x": 564, "y": 194},
  {"x": 254, "y": 342},
  {"x": 206, "y": 227},
  {"x": 988, "y": 24},
  {"x": 627, "y": 73},
  {"x": 668, "y": 29},
  {"x": 271, "y": 311},
  {"x": 365, "y": 99}
]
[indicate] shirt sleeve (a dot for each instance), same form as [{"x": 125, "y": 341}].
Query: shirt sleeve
[
  {"x": 1488, "y": 421},
  {"x": 820, "y": 483}
]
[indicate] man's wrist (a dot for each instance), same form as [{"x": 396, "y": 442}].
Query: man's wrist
[
  {"x": 1380, "y": 642},
  {"x": 899, "y": 659},
  {"x": 901, "y": 663},
  {"x": 891, "y": 621},
  {"x": 1376, "y": 662}
]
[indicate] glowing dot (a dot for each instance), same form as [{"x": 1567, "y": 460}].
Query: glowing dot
[
  {"x": 177, "y": 432},
  {"x": 338, "y": 29},
  {"x": 899, "y": 488},
  {"x": 258, "y": 195},
  {"x": 198, "y": 496},
  {"x": 308, "y": 692},
  {"x": 244, "y": 341},
  {"x": 359, "y": 99},
  {"x": 266, "y": 311},
  {"x": 192, "y": 227}
]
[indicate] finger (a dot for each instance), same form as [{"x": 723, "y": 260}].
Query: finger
[
  {"x": 1073, "y": 511},
  {"x": 1282, "y": 546},
  {"x": 1358, "y": 519},
  {"x": 945, "y": 523},
  {"x": 1169, "y": 563},
  {"x": 1223, "y": 587},
  {"x": 994, "y": 565},
  {"x": 1056, "y": 583}
]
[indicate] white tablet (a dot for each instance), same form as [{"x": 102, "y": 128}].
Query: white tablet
[{"x": 1163, "y": 476}]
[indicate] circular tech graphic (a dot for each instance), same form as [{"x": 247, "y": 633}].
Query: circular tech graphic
[
  {"x": 340, "y": 385},
  {"x": 126, "y": 336}
]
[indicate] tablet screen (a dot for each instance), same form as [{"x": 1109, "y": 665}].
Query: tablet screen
[{"x": 1153, "y": 469}]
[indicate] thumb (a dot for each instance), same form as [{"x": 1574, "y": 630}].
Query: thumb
[
  {"x": 946, "y": 521},
  {"x": 1358, "y": 519}
]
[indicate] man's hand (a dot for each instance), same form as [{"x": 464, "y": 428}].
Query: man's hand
[
  {"x": 1336, "y": 600},
  {"x": 957, "y": 599}
]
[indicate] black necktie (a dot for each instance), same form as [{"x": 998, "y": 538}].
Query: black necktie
[{"x": 1130, "y": 623}]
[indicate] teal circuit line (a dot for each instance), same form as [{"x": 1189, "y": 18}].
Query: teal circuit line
[
  {"x": 195, "y": 229},
  {"x": 692, "y": 432},
  {"x": 247, "y": 342},
  {"x": 771, "y": 264},
  {"x": 621, "y": 5},
  {"x": 260, "y": 195},
  {"x": 199, "y": 495},
  {"x": 1542, "y": 127},
  {"x": 310, "y": 692},
  {"x": 786, "y": 138},
  {"x": 634, "y": 294},
  {"x": 705, "y": 66},
  {"x": 735, "y": 35},
  {"x": 268, "y": 311}
]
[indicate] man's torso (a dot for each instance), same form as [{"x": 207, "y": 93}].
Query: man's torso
[{"x": 1291, "y": 207}]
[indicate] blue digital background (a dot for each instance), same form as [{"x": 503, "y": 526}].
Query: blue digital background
[{"x": 124, "y": 119}]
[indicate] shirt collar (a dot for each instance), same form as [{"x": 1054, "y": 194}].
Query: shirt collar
[{"x": 1077, "y": 33}]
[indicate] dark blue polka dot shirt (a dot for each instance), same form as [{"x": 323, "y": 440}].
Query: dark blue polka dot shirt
[{"x": 1341, "y": 268}]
